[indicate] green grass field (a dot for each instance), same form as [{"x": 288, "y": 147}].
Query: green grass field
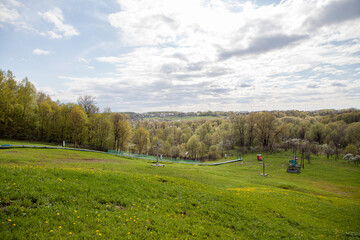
[{"x": 61, "y": 194}]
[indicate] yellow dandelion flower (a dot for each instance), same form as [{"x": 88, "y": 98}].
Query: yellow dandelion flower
[
  {"x": 59, "y": 226},
  {"x": 70, "y": 233},
  {"x": 99, "y": 234},
  {"x": 75, "y": 211},
  {"x": 74, "y": 223},
  {"x": 51, "y": 231},
  {"x": 9, "y": 220},
  {"x": 129, "y": 232},
  {"x": 14, "y": 224},
  {"x": 46, "y": 222},
  {"x": 58, "y": 214}
]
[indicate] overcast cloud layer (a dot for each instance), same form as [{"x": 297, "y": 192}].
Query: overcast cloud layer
[{"x": 189, "y": 55}]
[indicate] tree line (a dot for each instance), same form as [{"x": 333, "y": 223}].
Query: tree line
[{"x": 28, "y": 114}]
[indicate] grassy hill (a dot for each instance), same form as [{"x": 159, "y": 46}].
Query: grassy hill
[{"x": 50, "y": 193}]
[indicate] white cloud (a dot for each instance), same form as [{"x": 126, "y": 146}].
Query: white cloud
[
  {"x": 198, "y": 55},
  {"x": 84, "y": 60},
  {"x": 38, "y": 51},
  {"x": 8, "y": 14},
  {"x": 61, "y": 29},
  {"x": 16, "y": 14},
  {"x": 14, "y": 3},
  {"x": 274, "y": 50},
  {"x": 110, "y": 59}
]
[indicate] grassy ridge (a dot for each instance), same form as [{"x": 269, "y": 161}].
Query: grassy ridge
[{"x": 62, "y": 194}]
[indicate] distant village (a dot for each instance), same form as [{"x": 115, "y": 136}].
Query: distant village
[{"x": 173, "y": 115}]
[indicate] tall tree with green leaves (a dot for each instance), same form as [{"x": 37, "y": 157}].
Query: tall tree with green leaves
[
  {"x": 193, "y": 146},
  {"x": 26, "y": 97},
  {"x": 269, "y": 129},
  {"x": 141, "y": 140},
  {"x": 8, "y": 104},
  {"x": 101, "y": 128},
  {"x": 78, "y": 125},
  {"x": 318, "y": 133},
  {"x": 239, "y": 129},
  {"x": 353, "y": 133},
  {"x": 121, "y": 131},
  {"x": 62, "y": 122},
  {"x": 336, "y": 137},
  {"x": 45, "y": 113}
]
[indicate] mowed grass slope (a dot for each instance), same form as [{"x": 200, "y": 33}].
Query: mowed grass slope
[{"x": 49, "y": 193}]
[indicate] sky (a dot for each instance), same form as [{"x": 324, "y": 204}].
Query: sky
[{"x": 187, "y": 55}]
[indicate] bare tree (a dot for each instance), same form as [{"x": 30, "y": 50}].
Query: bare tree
[
  {"x": 88, "y": 104},
  {"x": 250, "y": 129}
]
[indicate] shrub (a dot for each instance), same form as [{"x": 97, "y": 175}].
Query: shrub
[
  {"x": 348, "y": 156},
  {"x": 351, "y": 148}
]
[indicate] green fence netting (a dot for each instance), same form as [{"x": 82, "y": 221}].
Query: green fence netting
[{"x": 153, "y": 158}]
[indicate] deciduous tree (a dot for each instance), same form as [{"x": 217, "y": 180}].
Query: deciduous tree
[
  {"x": 88, "y": 104},
  {"x": 101, "y": 126},
  {"x": 268, "y": 129},
  {"x": 193, "y": 146},
  {"x": 121, "y": 131},
  {"x": 141, "y": 140},
  {"x": 77, "y": 124},
  {"x": 239, "y": 129}
]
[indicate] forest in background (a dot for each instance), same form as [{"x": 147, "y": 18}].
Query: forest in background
[{"x": 28, "y": 114}]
